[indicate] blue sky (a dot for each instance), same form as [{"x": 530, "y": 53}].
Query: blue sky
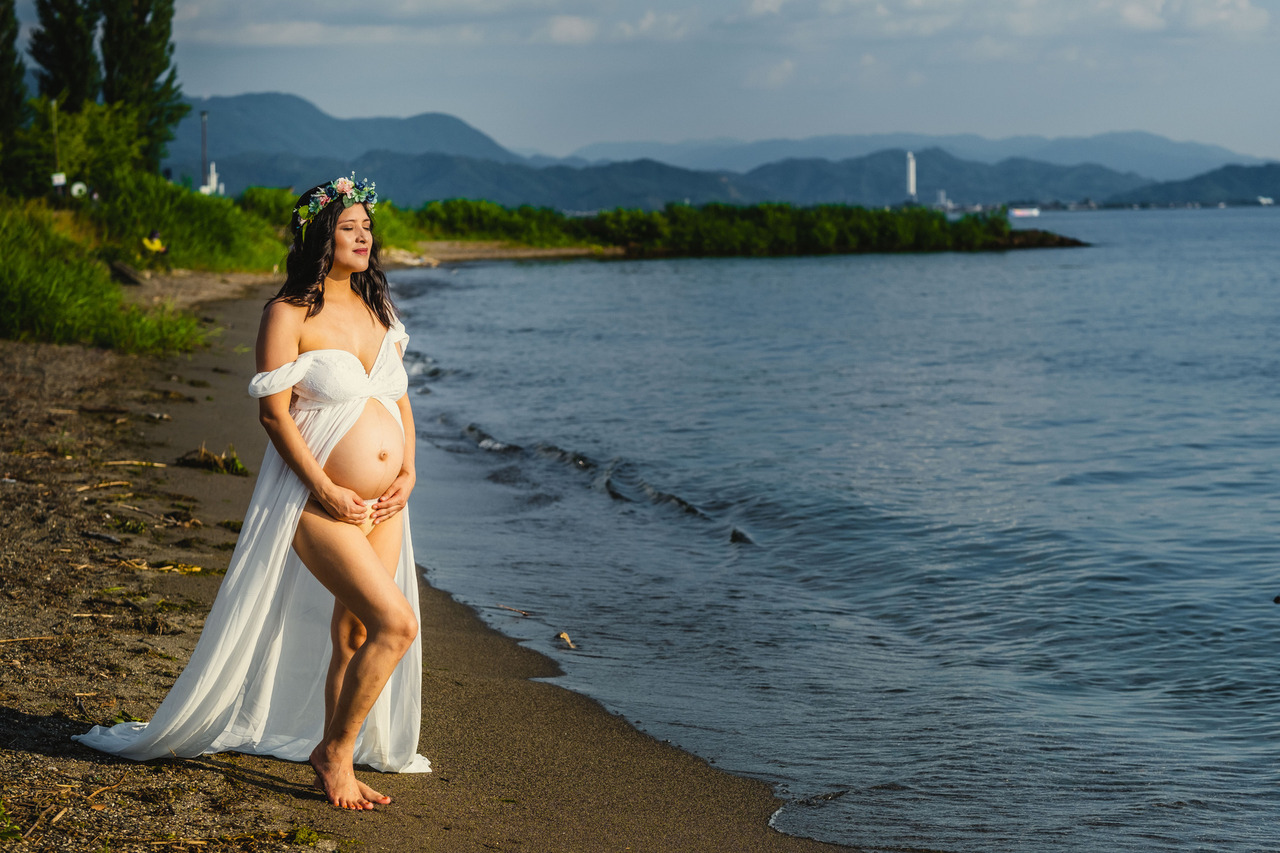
[{"x": 554, "y": 75}]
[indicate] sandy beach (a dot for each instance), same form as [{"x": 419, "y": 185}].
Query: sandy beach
[{"x": 110, "y": 553}]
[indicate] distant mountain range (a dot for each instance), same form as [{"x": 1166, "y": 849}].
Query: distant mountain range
[
  {"x": 878, "y": 179},
  {"x": 412, "y": 179},
  {"x": 1228, "y": 185},
  {"x": 284, "y": 140},
  {"x": 1155, "y": 157},
  {"x": 273, "y": 123}
]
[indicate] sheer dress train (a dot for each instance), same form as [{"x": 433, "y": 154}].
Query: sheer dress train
[{"x": 255, "y": 682}]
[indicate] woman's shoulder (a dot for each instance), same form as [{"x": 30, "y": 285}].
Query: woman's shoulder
[
  {"x": 279, "y": 334},
  {"x": 283, "y": 315}
]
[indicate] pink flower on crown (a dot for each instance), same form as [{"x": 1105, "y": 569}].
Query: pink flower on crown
[{"x": 343, "y": 186}]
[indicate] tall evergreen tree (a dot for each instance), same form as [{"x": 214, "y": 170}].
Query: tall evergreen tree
[
  {"x": 137, "y": 69},
  {"x": 13, "y": 86},
  {"x": 63, "y": 48}
]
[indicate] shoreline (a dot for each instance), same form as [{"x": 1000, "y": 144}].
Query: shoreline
[{"x": 519, "y": 764}]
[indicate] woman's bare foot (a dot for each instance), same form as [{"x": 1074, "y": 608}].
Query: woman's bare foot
[
  {"x": 337, "y": 779},
  {"x": 372, "y": 795}
]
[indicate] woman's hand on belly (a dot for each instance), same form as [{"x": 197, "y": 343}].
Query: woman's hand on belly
[
  {"x": 345, "y": 504},
  {"x": 396, "y": 496}
]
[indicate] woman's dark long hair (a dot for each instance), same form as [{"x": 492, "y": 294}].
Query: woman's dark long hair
[{"x": 311, "y": 259}]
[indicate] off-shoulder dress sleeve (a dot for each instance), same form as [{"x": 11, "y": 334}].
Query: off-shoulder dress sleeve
[
  {"x": 274, "y": 381},
  {"x": 397, "y": 335}
]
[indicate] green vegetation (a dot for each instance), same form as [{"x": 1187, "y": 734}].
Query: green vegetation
[
  {"x": 92, "y": 143},
  {"x": 225, "y": 463},
  {"x": 13, "y": 91},
  {"x": 398, "y": 228},
  {"x": 780, "y": 229},
  {"x": 202, "y": 232},
  {"x": 55, "y": 284},
  {"x": 9, "y": 831},
  {"x": 138, "y": 70},
  {"x": 484, "y": 220},
  {"x": 721, "y": 229},
  {"x": 269, "y": 204},
  {"x": 62, "y": 47},
  {"x": 305, "y": 835},
  {"x": 54, "y": 290}
]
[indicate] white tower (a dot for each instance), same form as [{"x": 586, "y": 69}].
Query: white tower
[
  {"x": 213, "y": 187},
  {"x": 911, "y": 176}
]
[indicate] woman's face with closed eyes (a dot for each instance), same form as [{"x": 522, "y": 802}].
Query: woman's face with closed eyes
[{"x": 352, "y": 241}]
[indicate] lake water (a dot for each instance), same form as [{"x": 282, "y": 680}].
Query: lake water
[{"x": 959, "y": 552}]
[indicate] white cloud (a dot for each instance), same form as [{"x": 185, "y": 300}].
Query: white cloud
[
  {"x": 979, "y": 30},
  {"x": 765, "y": 7},
  {"x": 773, "y": 76},
  {"x": 302, "y": 33},
  {"x": 305, "y": 23},
  {"x": 400, "y": 10},
  {"x": 668, "y": 26},
  {"x": 923, "y": 19},
  {"x": 991, "y": 49},
  {"x": 1239, "y": 16},
  {"x": 336, "y": 22},
  {"x": 1183, "y": 17},
  {"x": 1145, "y": 15},
  {"x": 571, "y": 29}
]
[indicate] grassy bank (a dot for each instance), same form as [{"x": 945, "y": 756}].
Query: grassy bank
[
  {"x": 57, "y": 284},
  {"x": 54, "y": 289},
  {"x": 201, "y": 232}
]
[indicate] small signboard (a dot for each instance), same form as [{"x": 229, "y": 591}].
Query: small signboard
[{"x": 59, "y": 179}]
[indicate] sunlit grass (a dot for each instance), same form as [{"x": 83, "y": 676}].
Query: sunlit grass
[
  {"x": 201, "y": 232},
  {"x": 52, "y": 289}
]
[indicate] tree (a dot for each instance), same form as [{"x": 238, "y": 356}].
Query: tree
[
  {"x": 63, "y": 48},
  {"x": 93, "y": 144},
  {"x": 137, "y": 69},
  {"x": 13, "y": 87}
]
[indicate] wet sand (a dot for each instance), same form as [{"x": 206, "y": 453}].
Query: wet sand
[{"x": 95, "y": 629}]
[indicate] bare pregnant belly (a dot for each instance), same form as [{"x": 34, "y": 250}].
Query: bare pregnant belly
[{"x": 367, "y": 459}]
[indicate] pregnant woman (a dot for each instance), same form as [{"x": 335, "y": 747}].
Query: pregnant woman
[{"x": 310, "y": 652}]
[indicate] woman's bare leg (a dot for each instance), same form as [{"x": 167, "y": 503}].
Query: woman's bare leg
[
  {"x": 350, "y": 566},
  {"x": 348, "y": 634},
  {"x": 345, "y": 630}
]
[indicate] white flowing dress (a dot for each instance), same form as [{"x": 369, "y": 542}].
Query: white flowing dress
[{"x": 255, "y": 682}]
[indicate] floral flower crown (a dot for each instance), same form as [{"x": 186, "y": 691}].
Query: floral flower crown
[{"x": 349, "y": 190}]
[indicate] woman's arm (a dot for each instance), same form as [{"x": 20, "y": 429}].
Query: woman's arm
[{"x": 278, "y": 340}]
